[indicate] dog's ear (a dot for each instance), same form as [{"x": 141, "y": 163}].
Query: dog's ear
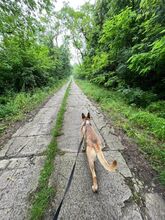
[
  {"x": 88, "y": 115},
  {"x": 83, "y": 116}
]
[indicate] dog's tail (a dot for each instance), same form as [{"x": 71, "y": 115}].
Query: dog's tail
[{"x": 105, "y": 164}]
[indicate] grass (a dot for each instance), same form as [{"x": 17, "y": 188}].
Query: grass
[
  {"x": 44, "y": 193},
  {"x": 145, "y": 127},
  {"x": 14, "y": 107}
]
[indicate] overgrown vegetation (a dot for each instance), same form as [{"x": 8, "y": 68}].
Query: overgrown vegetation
[
  {"x": 29, "y": 57},
  {"x": 122, "y": 46},
  {"x": 31, "y": 61},
  {"x": 41, "y": 197},
  {"x": 14, "y": 107},
  {"x": 147, "y": 129}
]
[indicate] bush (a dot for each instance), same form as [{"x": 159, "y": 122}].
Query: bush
[
  {"x": 138, "y": 96},
  {"x": 158, "y": 108},
  {"x": 7, "y": 110},
  {"x": 113, "y": 80},
  {"x": 99, "y": 79},
  {"x": 162, "y": 177},
  {"x": 3, "y": 100}
]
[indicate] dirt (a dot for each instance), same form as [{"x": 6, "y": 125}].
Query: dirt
[{"x": 140, "y": 166}]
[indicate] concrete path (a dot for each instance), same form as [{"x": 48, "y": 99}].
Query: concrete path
[
  {"x": 119, "y": 195},
  {"x": 22, "y": 158}
]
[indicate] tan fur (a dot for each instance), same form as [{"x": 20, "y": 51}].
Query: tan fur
[{"x": 93, "y": 149}]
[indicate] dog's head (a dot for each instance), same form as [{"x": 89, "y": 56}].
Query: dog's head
[{"x": 86, "y": 119}]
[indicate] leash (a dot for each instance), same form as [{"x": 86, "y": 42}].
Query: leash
[{"x": 69, "y": 182}]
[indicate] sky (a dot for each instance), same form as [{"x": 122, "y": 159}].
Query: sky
[{"x": 74, "y": 4}]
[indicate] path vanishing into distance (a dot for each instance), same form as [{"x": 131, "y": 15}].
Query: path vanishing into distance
[{"x": 21, "y": 160}]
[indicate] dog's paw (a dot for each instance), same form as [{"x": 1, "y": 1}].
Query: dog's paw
[
  {"x": 94, "y": 188},
  {"x": 83, "y": 149}
]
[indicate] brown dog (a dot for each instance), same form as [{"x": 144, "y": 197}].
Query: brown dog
[{"x": 93, "y": 148}]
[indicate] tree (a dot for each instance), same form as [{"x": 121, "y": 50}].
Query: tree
[
  {"x": 29, "y": 57},
  {"x": 125, "y": 47}
]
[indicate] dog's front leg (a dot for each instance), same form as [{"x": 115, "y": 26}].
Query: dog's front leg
[{"x": 84, "y": 146}]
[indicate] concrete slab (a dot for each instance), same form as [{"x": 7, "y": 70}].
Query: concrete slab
[
  {"x": 3, "y": 164},
  {"x": 81, "y": 202},
  {"x": 155, "y": 206},
  {"x": 25, "y": 146}
]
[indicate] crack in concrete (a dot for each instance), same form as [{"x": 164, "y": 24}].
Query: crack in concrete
[
  {"x": 17, "y": 152},
  {"x": 103, "y": 127},
  {"x": 136, "y": 197},
  {"x": 34, "y": 135},
  {"x": 22, "y": 156}
]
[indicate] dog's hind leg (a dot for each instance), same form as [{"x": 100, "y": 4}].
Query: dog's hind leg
[
  {"x": 91, "y": 159},
  {"x": 94, "y": 178}
]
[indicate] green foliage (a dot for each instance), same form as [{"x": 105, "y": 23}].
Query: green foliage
[
  {"x": 152, "y": 123},
  {"x": 138, "y": 97},
  {"x": 152, "y": 60},
  {"x": 99, "y": 62},
  {"x": 157, "y": 108},
  {"x": 99, "y": 79},
  {"x": 14, "y": 107},
  {"x": 117, "y": 32},
  {"x": 125, "y": 47},
  {"x": 162, "y": 177},
  {"x": 28, "y": 56},
  {"x": 79, "y": 23}
]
